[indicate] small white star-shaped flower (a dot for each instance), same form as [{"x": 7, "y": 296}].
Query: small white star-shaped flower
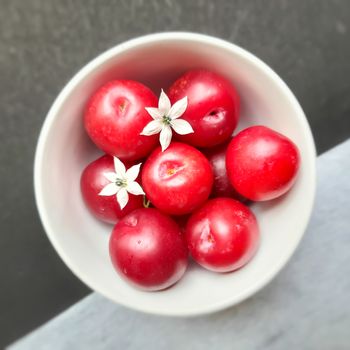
[
  {"x": 122, "y": 182},
  {"x": 165, "y": 118}
]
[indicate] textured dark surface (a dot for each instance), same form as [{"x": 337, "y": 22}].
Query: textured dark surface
[{"x": 42, "y": 43}]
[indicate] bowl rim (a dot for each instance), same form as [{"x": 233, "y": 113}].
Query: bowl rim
[{"x": 88, "y": 69}]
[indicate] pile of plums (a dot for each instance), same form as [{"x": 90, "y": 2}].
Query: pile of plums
[{"x": 175, "y": 181}]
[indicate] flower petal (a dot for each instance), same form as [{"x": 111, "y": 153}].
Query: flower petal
[
  {"x": 164, "y": 104},
  {"x": 109, "y": 190},
  {"x": 112, "y": 177},
  {"x": 119, "y": 167},
  {"x": 178, "y": 108},
  {"x": 135, "y": 188},
  {"x": 122, "y": 198},
  {"x": 181, "y": 126},
  {"x": 154, "y": 112},
  {"x": 153, "y": 127},
  {"x": 133, "y": 172},
  {"x": 165, "y": 137}
]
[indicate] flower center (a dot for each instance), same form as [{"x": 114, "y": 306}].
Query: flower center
[
  {"x": 121, "y": 182},
  {"x": 166, "y": 120}
]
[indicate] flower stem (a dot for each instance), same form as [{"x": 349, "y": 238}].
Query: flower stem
[{"x": 146, "y": 202}]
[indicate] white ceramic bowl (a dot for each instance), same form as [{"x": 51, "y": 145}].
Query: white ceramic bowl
[{"x": 64, "y": 150}]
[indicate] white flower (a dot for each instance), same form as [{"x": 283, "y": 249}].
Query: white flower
[
  {"x": 122, "y": 182},
  {"x": 165, "y": 117}
]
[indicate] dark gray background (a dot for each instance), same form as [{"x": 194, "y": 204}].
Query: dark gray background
[{"x": 43, "y": 43}]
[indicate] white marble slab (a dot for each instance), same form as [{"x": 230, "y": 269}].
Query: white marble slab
[{"x": 306, "y": 307}]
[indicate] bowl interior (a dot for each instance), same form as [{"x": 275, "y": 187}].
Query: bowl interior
[{"x": 64, "y": 150}]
